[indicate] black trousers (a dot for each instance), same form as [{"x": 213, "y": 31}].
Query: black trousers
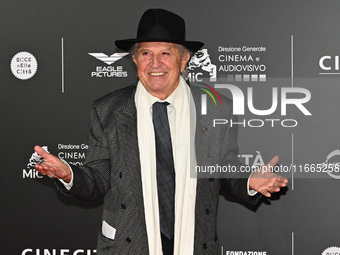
[{"x": 168, "y": 245}]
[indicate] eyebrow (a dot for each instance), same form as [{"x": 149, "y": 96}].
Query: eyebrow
[{"x": 141, "y": 49}]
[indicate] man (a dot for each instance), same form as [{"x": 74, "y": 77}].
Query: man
[{"x": 140, "y": 161}]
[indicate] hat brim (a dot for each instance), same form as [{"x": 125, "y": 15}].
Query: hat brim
[{"x": 127, "y": 44}]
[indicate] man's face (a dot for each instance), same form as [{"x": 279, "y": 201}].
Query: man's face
[{"x": 159, "y": 65}]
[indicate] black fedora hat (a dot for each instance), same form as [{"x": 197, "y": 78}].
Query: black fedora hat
[{"x": 158, "y": 25}]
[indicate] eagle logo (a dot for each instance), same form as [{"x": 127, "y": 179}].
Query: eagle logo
[{"x": 108, "y": 59}]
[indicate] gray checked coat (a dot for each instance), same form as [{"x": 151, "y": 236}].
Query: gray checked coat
[{"x": 112, "y": 171}]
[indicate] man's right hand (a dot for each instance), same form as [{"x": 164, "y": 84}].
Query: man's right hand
[{"x": 52, "y": 166}]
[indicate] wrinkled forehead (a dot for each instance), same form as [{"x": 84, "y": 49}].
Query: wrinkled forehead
[{"x": 157, "y": 46}]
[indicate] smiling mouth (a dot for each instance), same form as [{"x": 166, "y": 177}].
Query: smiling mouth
[{"x": 157, "y": 74}]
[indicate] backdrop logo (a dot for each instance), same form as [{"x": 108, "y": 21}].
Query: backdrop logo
[
  {"x": 30, "y": 171},
  {"x": 204, "y": 98},
  {"x": 331, "y": 251},
  {"x": 30, "y": 251},
  {"x": 289, "y": 97},
  {"x": 108, "y": 59},
  {"x": 109, "y": 71},
  {"x": 201, "y": 59},
  {"x": 74, "y": 154},
  {"x": 332, "y": 165},
  {"x": 252, "y": 159},
  {"x": 242, "y": 63},
  {"x": 232, "y": 63},
  {"x": 24, "y": 65},
  {"x": 243, "y": 252},
  {"x": 330, "y": 63}
]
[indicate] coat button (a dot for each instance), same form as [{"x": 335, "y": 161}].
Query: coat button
[
  {"x": 207, "y": 211},
  {"x": 123, "y": 206},
  {"x": 205, "y": 246},
  {"x": 128, "y": 240},
  {"x": 211, "y": 179},
  {"x": 120, "y": 175},
  {"x": 204, "y": 130}
]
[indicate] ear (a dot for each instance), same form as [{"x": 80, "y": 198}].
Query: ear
[
  {"x": 134, "y": 58},
  {"x": 184, "y": 61}
]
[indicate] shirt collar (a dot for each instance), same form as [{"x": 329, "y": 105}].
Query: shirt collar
[{"x": 150, "y": 99}]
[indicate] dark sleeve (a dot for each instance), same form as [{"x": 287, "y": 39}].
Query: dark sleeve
[
  {"x": 234, "y": 183},
  {"x": 91, "y": 181}
]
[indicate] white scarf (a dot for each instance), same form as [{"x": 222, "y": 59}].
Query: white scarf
[{"x": 182, "y": 126}]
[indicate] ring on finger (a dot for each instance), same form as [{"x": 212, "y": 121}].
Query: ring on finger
[{"x": 51, "y": 176}]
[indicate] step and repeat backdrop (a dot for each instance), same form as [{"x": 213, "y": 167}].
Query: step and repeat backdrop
[{"x": 278, "y": 61}]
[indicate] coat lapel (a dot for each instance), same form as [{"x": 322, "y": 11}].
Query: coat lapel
[
  {"x": 127, "y": 124},
  {"x": 198, "y": 134}
]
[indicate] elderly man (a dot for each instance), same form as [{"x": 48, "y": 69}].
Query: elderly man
[{"x": 143, "y": 140}]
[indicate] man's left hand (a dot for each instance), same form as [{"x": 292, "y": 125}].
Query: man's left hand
[{"x": 265, "y": 181}]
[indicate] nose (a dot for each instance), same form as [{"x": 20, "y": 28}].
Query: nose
[{"x": 155, "y": 61}]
